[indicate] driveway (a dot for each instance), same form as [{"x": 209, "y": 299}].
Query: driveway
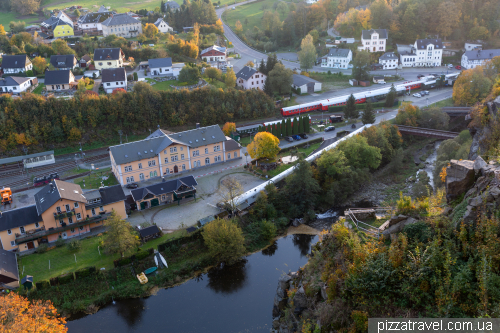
[{"x": 97, "y": 84}]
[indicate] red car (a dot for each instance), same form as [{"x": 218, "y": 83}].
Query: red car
[{"x": 458, "y": 67}]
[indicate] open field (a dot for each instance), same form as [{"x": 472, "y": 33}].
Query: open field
[
  {"x": 116, "y": 5},
  {"x": 7, "y": 17},
  {"x": 38, "y": 90},
  {"x": 331, "y": 81},
  {"x": 94, "y": 180}
]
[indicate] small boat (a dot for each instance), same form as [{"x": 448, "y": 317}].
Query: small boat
[
  {"x": 150, "y": 270},
  {"x": 142, "y": 278},
  {"x": 156, "y": 261},
  {"x": 163, "y": 260}
]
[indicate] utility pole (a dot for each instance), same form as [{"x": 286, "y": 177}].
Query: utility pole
[{"x": 120, "y": 132}]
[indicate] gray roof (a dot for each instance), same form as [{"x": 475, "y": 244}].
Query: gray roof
[
  {"x": 160, "y": 62},
  {"x": 334, "y": 52},
  {"x": 13, "y": 81},
  {"x": 63, "y": 61},
  {"x": 119, "y": 19},
  {"x": 149, "y": 231},
  {"x": 8, "y": 267},
  {"x": 404, "y": 49},
  {"x": 300, "y": 80},
  {"x": 367, "y": 34},
  {"x": 158, "y": 140},
  {"x": 113, "y": 74},
  {"x": 214, "y": 47},
  {"x": 91, "y": 195},
  {"x": 58, "y": 77},
  {"x": 108, "y": 195},
  {"x": 388, "y": 56},
  {"x": 172, "y": 5},
  {"x": 94, "y": 17},
  {"x": 54, "y": 21},
  {"x": 19, "y": 217},
  {"x": 102, "y": 9},
  {"x": 163, "y": 187},
  {"x": 245, "y": 73},
  {"x": 231, "y": 145},
  {"x": 107, "y": 54},
  {"x": 158, "y": 22},
  {"x": 422, "y": 43},
  {"x": 15, "y": 61},
  {"x": 55, "y": 190},
  {"x": 482, "y": 54}
]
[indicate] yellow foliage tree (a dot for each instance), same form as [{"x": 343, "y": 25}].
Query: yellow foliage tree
[
  {"x": 238, "y": 27},
  {"x": 408, "y": 115},
  {"x": 2, "y": 30},
  {"x": 224, "y": 240},
  {"x": 264, "y": 145},
  {"x": 150, "y": 30},
  {"x": 17, "y": 315},
  {"x": 229, "y": 128},
  {"x": 471, "y": 87},
  {"x": 230, "y": 78},
  {"x": 74, "y": 134},
  {"x": 39, "y": 64}
]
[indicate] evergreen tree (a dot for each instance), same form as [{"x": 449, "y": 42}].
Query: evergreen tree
[
  {"x": 350, "y": 108},
  {"x": 391, "y": 96},
  {"x": 162, "y": 6},
  {"x": 278, "y": 130},
  {"x": 273, "y": 130},
  {"x": 307, "y": 125},
  {"x": 288, "y": 127},
  {"x": 301, "y": 125},
  {"x": 368, "y": 116},
  {"x": 267, "y": 87},
  {"x": 295, "y": 126},
  {"x": 283, "y": 128},
  {"x": 260, "y": 129},
  {"x": 262, "y": 67},
  {"x": 272, "y": 60}
]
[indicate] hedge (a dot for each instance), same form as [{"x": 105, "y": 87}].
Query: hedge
[
  {"x": 42, "y": 285},
  {"x": 298, "y": 91},
  {"x": 361, "y": 106},
  {"x": 141, "y": 255},
  {"x": 66, "y": 278},
  {"x": 84, "y": 272},
  {"x": 138, "y": 256},
  {"x": 175, "y": 243},
  {"x": 54, "y": 281}
]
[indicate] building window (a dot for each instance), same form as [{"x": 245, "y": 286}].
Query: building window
[
  {"x": 182, "y": 156},
  {"x": 70, "y": 219},
  {"x": 12, "y": 243},
  {"x": 76, "y": 205},
  {"x": 78, "y": 216},
  {"x": 141, "y": 176},
  {"x": 182, "y": 148},
  {"x": 206, "y": 150},
  {"x": 132, "y": 179},
  {"x": 9, "y": 232},
  {"x": 229, "y": 156},
  {"x": 140, "y": 165},
  {"x": 61, "y": 222},
  {"x": 173, "y": 150},
  {"x": 128, "y": 180},
  {"x": 196, "y": 153},
  {"x": 101, "y": 208},
  {"x": 67, "y": 208},
  {"x": 21, "y": 229},
  {"x": 184, "y": 167},
  {"x": 216, "y": 148},
  {"x": 207, "y": 161},
  {"x": 81, "y": 227},
  {"x": 217, "y": 158},
  {"x": 175, "y": 158},
  {"x": 235, "y": 154},
  {"x": 37, "y": 225},
  {"x": 167, "y": 171},
  {"x": 152, "y": 163},
  {"x": 128, "y": 168},
  {"x": 93, "y": 211}
]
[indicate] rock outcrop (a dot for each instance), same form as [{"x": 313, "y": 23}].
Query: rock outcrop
[
  {"x": 460, "y": 176},
  {"x": 397, "y": 227}
]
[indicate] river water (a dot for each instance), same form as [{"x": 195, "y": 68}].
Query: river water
[{"x": 236, "y": 298}]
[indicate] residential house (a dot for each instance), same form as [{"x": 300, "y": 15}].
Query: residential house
[
  {"x": 337, "y": 58},
  {"x": 59, "y": 80},
  {"x": 162, "y": 154},
  {"x": 249, "y": 78},
  {"x": 12, "y": 64},
  {"x": 85, "y": 61},
  {"x": 160, "y": 66},
  {"x": 114, "y": 78},
  {"x": 165, "y": 192},
  {"x": 373, "y": 40},
  {"x": 9, "y": 272},
  {"x": 305, "y": 84},
  {"x": 108, "y": 58},
  {"x": 424, "y": 53},
  {"x": 16, "y": 85},
  {"x": 62, "y": 62},
  {"x": 58, "y": 26},
  {"x": 174, "y": 6},
  {"x": 389, "y": 60},
  {"x": 163, "y": 26},
  {"x": 61, "y": 210},
  {"x": 472, "y": 46},
  {"x": 91, "y": 23},
  {"x": 214, "y": 53},
  {"x": 472, "y": 59},
  {"x": 121, "y": 25}
]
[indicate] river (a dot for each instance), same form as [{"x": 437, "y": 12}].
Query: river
[{"x": 236, "y": 298}]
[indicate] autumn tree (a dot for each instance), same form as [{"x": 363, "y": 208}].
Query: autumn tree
[
  {"x": 359, "y": 153},
  {"x": 250, "y": 63},
  {"x": 282, "y": 8},
  {"x": 229, "y": 189},
  {"x": 150, "y": 30},
  {"x": 408, "y": 115},
  {"x": 307, "y": 54},
  {"x": 25, "y": 7},
  {"x": 39, "y": 64},
  {"x": 302, "y": 189},
  {"x": 350, "y": 111},
  {"x": 238, "y": 27},
  {"x": 264, "y": 145},
  {"x": 281, "y": 79},
  {"x": 361, "y": 65},
  {"x": 18, "y": 315},
  {"x": 212, "y": 73},
  {"x": 229, "y": 128},
  {"x": 190, "y": 74},
  {"x": 61, "y": 47},
  {"x": 2, "y": 30},
  {"x": 224, "y": 240},
  {"x": 449, "y": 18},
  {"x": 120, "y": 236},
  {"x": 381, "y": 14},
  {"x": 230, "y": 78},
  {"x": 471, "y": 87}
]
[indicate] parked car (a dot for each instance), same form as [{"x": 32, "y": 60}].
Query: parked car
[
  {"x": 381, "y": 82},
  {"x": 330, "y": 128},
  {"x": 458, "y": 67},
  {"x": 289, "y": 139},
  {"x": 132, "y": 185},
  {"x": 296, "y": 137},
  {"x": 303, "y": 136},
  {"x": 417, "y": 95},
  {"x": 450, "y": 66},
  {"x": 425, "y": 92}
]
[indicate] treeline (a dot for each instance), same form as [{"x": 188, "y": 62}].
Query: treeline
[
  {"x": 34, "y": 120},
  {"x": 191, "y": 12}
]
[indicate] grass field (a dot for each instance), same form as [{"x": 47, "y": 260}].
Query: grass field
[
  {"x": 116, "y": 5},
  {"x": 38, "y": 90},
  {"x": 7, "y": 17},
  {"x": 62, "y": 260},
  {"x": 94, "y": 180},
  {"x": 444, "y": 103},
  {"x": 163, "y": 86},
  {"x": 331, "y": 81}
]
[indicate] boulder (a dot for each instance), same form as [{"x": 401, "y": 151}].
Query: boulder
[
  {"x": 398, "y": 227},
  {"x": 396, "y": 219},
  {"x": 460, "y": 176},
  {"x": 384, "y": 226},
  {"x": 284, "y": 281},
  {"x": 323, "y": 293},
  {"x": 277, "y": 300},
  {"x": 300, "y": 300},
  {"x": 479, "y": 165},
  {"x": 281, "y": 292},
  {"x": 276, "y": 323}
]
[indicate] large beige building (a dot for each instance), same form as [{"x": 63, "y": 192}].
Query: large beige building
[
  {"x": 162, "y": 154},
  {"x": 121, "y": 25},
  {"x": 108, "y": 58}
]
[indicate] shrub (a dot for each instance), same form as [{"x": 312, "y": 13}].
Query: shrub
[
  {"x": 66, "y": 278},
  {"x": 224, "y": 239},
  {"x": 84, "y": 272},
  {"x": 130, "y": 77},
  {"x": 60, "y": 242},
  {"x": 42, "y": 248},
  {"x": 282, "y": 222},
  {"x": 141, "y": 255},
  {"x": 42, "y": 285},
  {"x": 54, "y": 281},
  {"x": 136, "y": 76},
  {"x": 29, "y": 73},
  {"x": 124, "y": 262},
  {"x": 420, "y": 231},
  {"x": 267, "y": 230},
  {"x": 74, "y": 245}
]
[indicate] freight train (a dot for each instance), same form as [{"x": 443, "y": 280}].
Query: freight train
[{"x": 426, "y": 82}]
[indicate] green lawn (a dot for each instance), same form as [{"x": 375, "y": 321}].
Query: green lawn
[
  {"x": 163, "y": 86},
  {"x": 116, "y": 5},
  {"x": 94, "y": 180},
  {"x": 38, "y": 90},
  {"x": 443, "y": 103},
  {"x": 331, "y": 81},
  {"x": 7, "y": 17},
  {"x": 216, "y": 83},
  {"x": 245, "y": 141},
  {"x": 63, "y": 261}
]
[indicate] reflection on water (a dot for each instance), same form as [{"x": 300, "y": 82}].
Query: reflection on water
[
  {"x": 229, "y": 279},
  {"x": 303, "y": 243},
  {"x": 236, "y": 298},
  {"x": 270, "y": 250}
]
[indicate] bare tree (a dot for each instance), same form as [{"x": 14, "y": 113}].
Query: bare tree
[{"x": 229, "y": 189}]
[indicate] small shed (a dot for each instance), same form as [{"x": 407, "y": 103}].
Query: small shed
[
  {"x": 9, "y": 275},
  {"x": 353, "y": 82},
  {"x": 378, "y": 78},
  {"x": 27, "y": 282},
  {"x": 364, "y": 83},
  {"x": 149, "y": 233},
  {"x": 305, "y": 84}
]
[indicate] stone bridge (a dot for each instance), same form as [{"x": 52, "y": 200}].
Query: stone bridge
[{"x": 427, "y": 132}]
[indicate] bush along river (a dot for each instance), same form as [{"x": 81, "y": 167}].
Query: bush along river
[{"x": 229, "y": 299}]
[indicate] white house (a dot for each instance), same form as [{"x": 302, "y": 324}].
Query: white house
[
  {"x": 177, "y": 68},
  {"x": 16, "y": 63},
  {"x": 373, "y": 40},
  {"x": 92, "y": 22},
  {"x": 16, "y": 84},
  {"x": 472, "y": 46},
  {"x": 249, "y": 78},
  {"x": 214, "y": 53},
  {"x": 114, "y": 78},
  {"x": 163, "y": 26},
  {"x": 389, "y": 60},
  {"x": 305, "y": 84},
  {"x": 424, "y": 53},
  {"x": 161, "y": 66},
  {"x": 337, "y": 58},
  {"x": 121, "y": 25},
  {"x": 472, "y": 59}
]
